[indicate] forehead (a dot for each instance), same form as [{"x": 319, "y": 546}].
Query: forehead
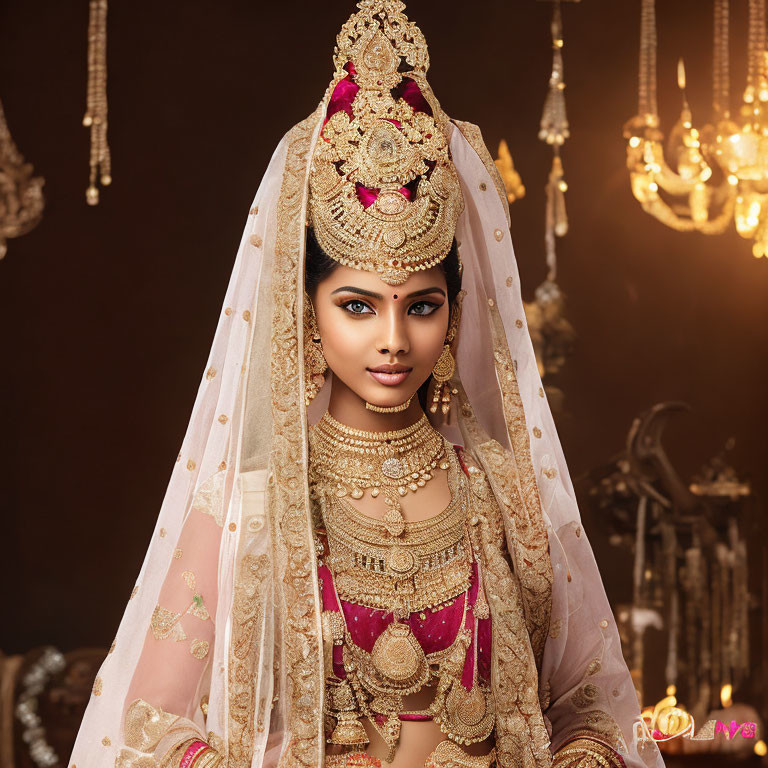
[{"x": 370, "y": 281}]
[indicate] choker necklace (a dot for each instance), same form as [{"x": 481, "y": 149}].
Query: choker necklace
[
  {"x": 348, "y": 461},
  {"x": 388, "y": 408}
]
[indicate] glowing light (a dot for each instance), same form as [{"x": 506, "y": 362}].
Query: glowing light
[
  {"x": 733, "y": 180},
  {"x": 634, "y": 142},
  {"x": 725, "y": 695},
  {"x": 671, "y": 690},
  {"x": 653, "y": 186},
  {"x": 562, "y": 186},
  {"x": 761, "y": 749}
]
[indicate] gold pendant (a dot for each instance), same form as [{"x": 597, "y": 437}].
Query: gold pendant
[{"x": 398, "y": 657}]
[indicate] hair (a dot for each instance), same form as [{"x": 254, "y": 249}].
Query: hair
[{"x": 319, "y": 265}]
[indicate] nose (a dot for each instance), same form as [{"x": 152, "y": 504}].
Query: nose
[{"x": 394, "y": 333}]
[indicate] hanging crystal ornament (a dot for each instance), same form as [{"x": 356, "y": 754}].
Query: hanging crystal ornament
[
  {"x": 96, "y": 109},
  {"x": 21, "y": 193},
  {"x": 551, "y": 333},
  {"x": 721, "y": 173}
]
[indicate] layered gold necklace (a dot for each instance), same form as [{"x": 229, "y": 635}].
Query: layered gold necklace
[{"x": 352, "y": 461}]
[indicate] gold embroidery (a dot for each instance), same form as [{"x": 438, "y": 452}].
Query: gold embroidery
[
  {"x": 223, "y": 419},
  {"x": 518, "y": 323},
  {"x": 498, "y": 234},
  {"x": 106, "y": 741},
  {"x": 247, "y": 629},
  {"x": 145, "y": 726},
  {"x": 550, "y": 473},
  {"x": 177, "y": 553},
  {"x": 585, "y": 696},
  {"x": 555, "y": 628},
  {"x": 287, "y": 491},
  {"x": 222, "y": 466},
  {"x": 165, "y": 625},
  {"x": 98, "y": 686},
  {"x": 594, "y": 667},
  {"x": 474, "y": 138},
  {"x": 536, "y": 432},
  {"x": 483, "y": 186},
  {"x": 254, "y": 211},
  {"x": 209, "y": 498},
  {"x": 162, "y": 533},
  {"x": 530, "y": 551},
  {"x": 587, "y": 753},
  {"x": 232, "y": 527},
  {"x": 510, "y": 281},
  {"x": 210, "y": 373},
  {"x": 247, "y": 316},
  {"x": 111, "y": 647},
  {"x": 134, "y": 591},
  {"x": 199, "y": 648},
  {"x": 228, "y": 311},
  {"x": 191, "y": 465},
  {"x": 256, "y": 241}
]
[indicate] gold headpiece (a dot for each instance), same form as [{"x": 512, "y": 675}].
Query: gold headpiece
[{"x": 384, "y": 193}]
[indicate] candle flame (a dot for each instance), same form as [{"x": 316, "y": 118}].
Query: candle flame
[
  {"x": 681, "y": 75},
  {"x": 726, "y": 693},
  {"x": 761, "y": 750}
]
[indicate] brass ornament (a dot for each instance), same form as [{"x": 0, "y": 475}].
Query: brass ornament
[
  {"x": 315, "y": 364},
  {"x": 384, "y": 193},
  {"x": 389, "y": 408},
  {"x": 445, "y": 367}
]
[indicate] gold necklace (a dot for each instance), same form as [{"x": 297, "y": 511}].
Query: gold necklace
[
  {"x": 426, "y": 566},
  {"x": 350, "y": 461}
]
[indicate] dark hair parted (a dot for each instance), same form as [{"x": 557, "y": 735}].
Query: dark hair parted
[{"x": 319, "y": 266}]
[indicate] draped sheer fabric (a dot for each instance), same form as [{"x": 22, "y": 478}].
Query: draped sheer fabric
[{"x": 222, "y": 637}]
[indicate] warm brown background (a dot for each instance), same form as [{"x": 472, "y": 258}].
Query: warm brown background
[{"x": 108, "y": 312}]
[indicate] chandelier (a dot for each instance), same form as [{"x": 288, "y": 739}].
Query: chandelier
[{"x": 717, "y": 174}]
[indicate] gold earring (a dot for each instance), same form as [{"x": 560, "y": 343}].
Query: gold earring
[
  {"x": 315, "y": 364},
  {"x": 445, "y": 366}
]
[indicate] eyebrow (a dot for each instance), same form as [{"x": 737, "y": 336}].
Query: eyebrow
[{"x": 373, "y": 295}]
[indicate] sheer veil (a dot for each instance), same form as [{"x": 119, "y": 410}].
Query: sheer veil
[{"x": 221, "y": 636}]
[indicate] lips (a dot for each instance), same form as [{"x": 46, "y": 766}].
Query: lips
[{"x": 390, "y": 375}]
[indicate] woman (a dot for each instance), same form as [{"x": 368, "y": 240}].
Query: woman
[{"x": 334, "y": 580}]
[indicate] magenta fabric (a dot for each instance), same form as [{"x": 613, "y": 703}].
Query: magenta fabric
[
  {"x": 342, "y": 97},
  {"x": 368, "y": 196},
  {"x": 411, "y": 94}
]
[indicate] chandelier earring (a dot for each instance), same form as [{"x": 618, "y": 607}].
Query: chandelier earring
[
  {"x": 445, "y": 366},
  {"x": 315, "y": 364}
]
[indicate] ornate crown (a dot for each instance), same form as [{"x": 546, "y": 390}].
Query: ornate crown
[{"x": 384, "y": 193}]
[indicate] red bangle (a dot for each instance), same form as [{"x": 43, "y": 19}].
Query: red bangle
[{"x": 194, "y": 750}]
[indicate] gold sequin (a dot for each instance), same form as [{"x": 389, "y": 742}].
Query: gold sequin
[
  {"x": 254, "y": 210},
  {"x": 578, "y": 532},
  {"x": 222, "y": 466},
  {"x": 519, "y": 323},
  {"x": 111, "y": 647},
  {"x": 233, "y": 526},
  {"x": 491, "y": 302},
  {"x": 483, "y": 186},
  {"x": 191, "y": 465},
  {"x": 498, "y": 234},
  {"x": 228, "y": 311},
  {"x": 247, "y": 316},
  {"x": 536, "y": 432},
  {"x": 550, "y": 473},
  {"x": 555, "y": 627},
  {"x": 604, "y": 623},
  {"x": 223, "y": 419},
  {"x": 106, "y": 741},
  {"x": 510, "y": 281},
  {"x": 133, "y": 592},
  {"x": 98, "y": 686},
  {"x": 210, "y": 373},
  {"x": 256, "y": 240},
  {"x": 204, "y": 705},
  {"x": 541, "y": 391},
  {"x": 162, "y": 533},
  {"x": 178, "y": 458},
  {"x": 177, "y": 553},
  {"x": 199, "y": 648}
]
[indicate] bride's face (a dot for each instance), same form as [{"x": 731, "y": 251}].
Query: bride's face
[{"x": 366, "y": 325}]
